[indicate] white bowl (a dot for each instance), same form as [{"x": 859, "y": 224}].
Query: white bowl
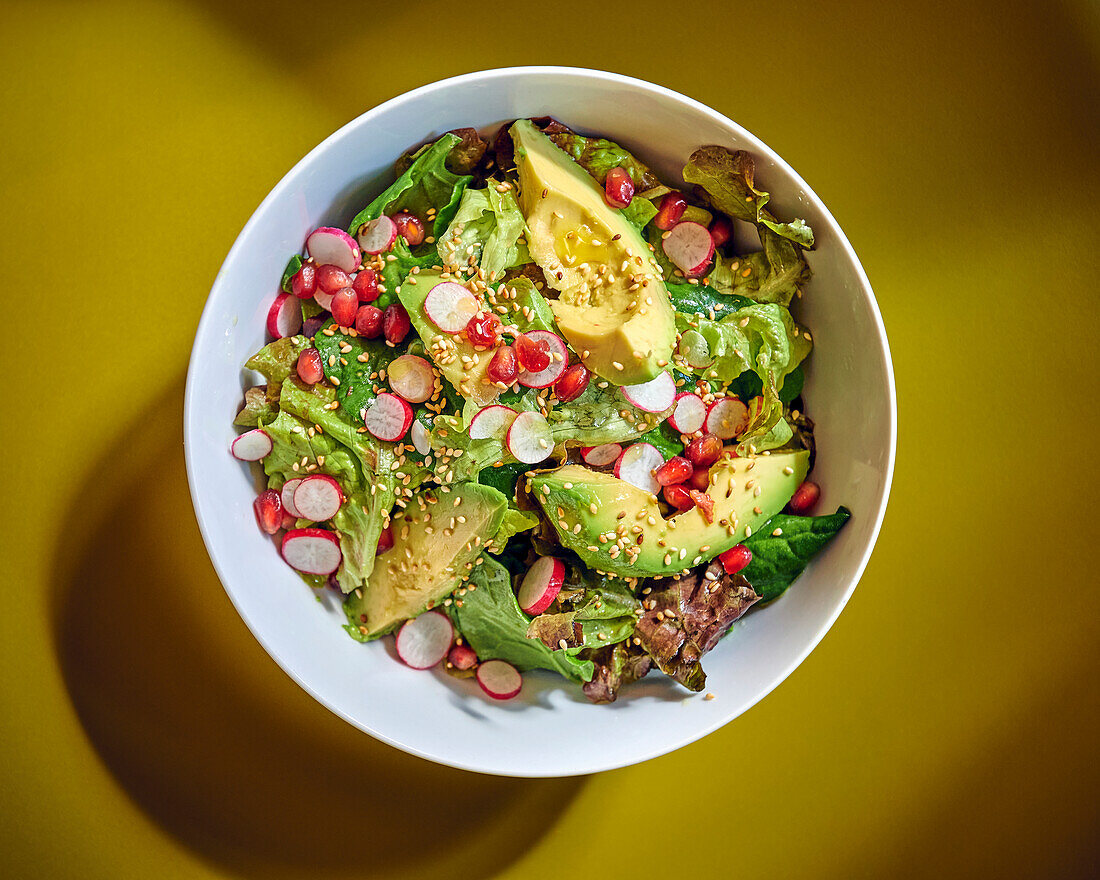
[{"x": 550, "y": 729}]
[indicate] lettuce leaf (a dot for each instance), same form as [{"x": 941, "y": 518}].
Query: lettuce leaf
[
  {"x": 277, "y": 360},
  {"x": 615, "y": 666},
  {"x": 292, "y": 267},
  {"x": 665, "y": 438},
  {"x": 596, "y": 417},
  {"x": 515, "y": 521},
  {"x": 491, "y": 223},
  {"x": 778, "y": 559},
  {"x": 530, "y": 310},
  {"x": 259, "y": 406},
  {"x": 773, "y": 275},
  {"x": 591, "y": 611}
]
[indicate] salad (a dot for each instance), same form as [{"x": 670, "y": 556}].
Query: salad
[{"x": 537, "y": 409}]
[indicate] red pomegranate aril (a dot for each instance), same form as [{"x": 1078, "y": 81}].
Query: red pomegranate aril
[
  {"x": 395, "y": 323},
  {"x": 700, "y": 479},
  {"x": 483, "y": 329},
  {"x": 805, "y": 497},
  {"x": 331, "y": 278},
  {"x": 670, "y": 210},
  {"x": 704, "y": 451},
  {"x": 310, "y": 369},
  {"x": 304, "y": 282},
  {"x": 674, "y": 471},
  {"x": 344, "y": 307},
  {"x": 368, "y": 322},
  {"x": 385, "y": 541},
  {"x": 618, "y": 188},
  {"x": 409, "y": 227},
  {"x": 269, "y": 511},
  {"x": 533, "y": 354},
  {"x": 365, "y": 285},
  {"x": 704, "y": 502},
  {"x": 504, "y": 367},
  {"x": 735, "y": 559},
  {"x": 572, "y": 382},
  {"x": 678, "y": 497},
  {"x": 721, "y": 230}
]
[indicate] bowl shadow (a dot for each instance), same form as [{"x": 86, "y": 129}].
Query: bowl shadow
[{"x": 209, "y": 737}]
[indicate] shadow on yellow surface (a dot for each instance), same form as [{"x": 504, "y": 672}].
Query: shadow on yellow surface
[{"x": 211, "y": 739}]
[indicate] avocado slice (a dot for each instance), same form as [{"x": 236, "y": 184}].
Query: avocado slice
[
  {"x": 437, "y": 540},
  {"x": 623, "y": 532},
  {"x": 622, "y": 317}
]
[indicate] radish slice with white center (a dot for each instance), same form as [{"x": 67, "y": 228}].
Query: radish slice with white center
[
  {"x": 377, "y": 236},
  {"x": 312, "y": 551},
  {"x": 727, "y": 417},
  {"x": 284, "y": 318},
  {"x": 318, "y": 498},
  {"x": 329, "y": 245},
  {"x": 324, "y": 300},
  {"x": 492, "y": 423},
  {"x": 559, "y": 360},
  {"x": 424, "y": 641},
  {"x": 529, "y": 439},
  {"x": 499, "y": 680},
  {"x": 541, "y": 585},
  {"x": 601, "y": 456},
  {"x": 421, "y": 439},
  {"x": 287, "y": 496},
  {"x": 388, "y": 418},
  {"x": 690, "y": 247},
  {"x": 411, "y": 377},
  {"x": 656, "y": 395},
  {"x": 689, "y": 414},
  {"x": 450, "y": 306},
  {"x": 637, "y": 464},
  {"x": 251, "y": 445}
]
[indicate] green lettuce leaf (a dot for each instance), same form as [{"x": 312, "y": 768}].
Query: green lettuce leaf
[
  {"x": 259, "y": 406},
  {"x": 356, "y": 389},
  {"x": 290, "y": 271},
  {"x": 596, "y": 417},
  {"x": 277, "y": 360},
  {"x": 773, "y": 275},
  {"x": 515, "y": 521},
  {"x": 503, "y": 478},
  {"x": 491, "y": 223},
  {"x": 590, "y": 612},
  {"x": 530, "y": 310},
  {"x": 778, "y": 559}
]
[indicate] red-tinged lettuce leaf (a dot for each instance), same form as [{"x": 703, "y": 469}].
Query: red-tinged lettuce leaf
[
  {"x": 590, "y": 611},
  {"x": 259, "y": 406},
  {"x": 615, "y": 667},
  {"x": 464, "y": 157}
]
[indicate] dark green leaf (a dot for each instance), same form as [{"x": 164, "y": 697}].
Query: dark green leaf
[
  {"x": 778, "y": 559},
  {"x": 701, "y": 299},
  {"x": 665, "y": 438},
  {"x": 290, "y": 271}
]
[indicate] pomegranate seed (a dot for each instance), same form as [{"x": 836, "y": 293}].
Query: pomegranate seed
[
  {"x": 504, "y": 367},
  {"x": 385, "y": 541},
  {"x": 721, "y": 230},
  {"x": 572, "y": 382},
  {"x": 674, "y": 471},
  {"x": 395, "y": 323},
  {"x": 368, "y": 322},
  {"x": 344, "y": 306},
  {"x": 288, "y": 520},
  {"x": 269, "y": 511},
  {"x": 704, "y": 502},
  {"x": 678, "y": 497},
  {"x": 805, "y": 497},
  {"x": 483, "y": 329},
  {"x": 365, "y": 285},
  {"x": 618, "y": 188},
  {"x": 704, "y": 451},
  {"x": 735, "y": 559},
  {"x": 533, "y": 354},
  {"x": 304, "y": 282},
  {"x": 700, "y": 479},
  {"x": 331, "y": 278},
  {"x": 462, "y": 657},
  {"x": 310, "y": 369},
  {"x": 670, "y": 210},
  {"x": 409, "y": 227}
]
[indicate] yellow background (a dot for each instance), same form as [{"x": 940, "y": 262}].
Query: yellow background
[{"x": 947, "y": 726}]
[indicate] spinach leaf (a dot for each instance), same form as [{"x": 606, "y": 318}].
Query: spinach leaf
[
  {"x": 356, "y": 389},
  {"x": 290, "y": 271},
  {"x": 778, "y": 559},
  {"x": 704, "y": 301},
  {"x": 665, "y": 438},
  {"x": 503, "y": 478}
]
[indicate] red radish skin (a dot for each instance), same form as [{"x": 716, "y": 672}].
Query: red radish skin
[
  {"x": 601, "y": 456},
  {"x": 462, "y": 657},
  {"x": 344, "y": 307},
  {"x": 674, "y": 471},
  {"x": 735, "y": 559},
  {"x": 529, "y": 438},
  {"x": 727, "y": 417},
  {"x": 388, "y": 417},
  {"x": 332, "y": 278},
  {"x": 269, "y": 511},
  {"x": 558, "y": 359},
  {"x": 670, "y": 210},
  {"x": 678, "y": 497},
  {"x": 284, "y": 318},
  {"x": 424, "y": 641},
  {"x": 450, "y": 306},
  {"x": 304, "y": 281},
  {"x": 483, "y": 329},
  {"x": 637, "y": 464},
  {"x": 318, "y": 498},
  {"x": 688, "y": 414},
  {"x": 365, "y": 285},
  {"x": 377, "y": 236},
  {"x": 309, "y": 367},
  {"x": 368, "y": 322},
  {"x": 331, "y": 245},
  {"x": 654, "y": 396},
  {"x": 690, "y": 247},
  {"x": 804, "y": 498},
  {"x": 572, "y": 383},
  {"x": 492, "y": 422},
  {"x": 287, "y": 497},
  {"x": 504, "y": 366},
  {"x": 409, "y": 227},
  {"x": 421, "y": 439},
  {"x": 704, "y": 451},
  {"x": 500, "y": 680},
  {"x": 385, "y": 541},
  {"x": 411, "y": 377},
  {"x": 541, "y": 585},
  {"x": 251, "y": 445},
  {"x": 312, "y": 551},
  {"x": 395, "y": 323},
  {"x": 721, "y": 230},
  {"x": 618, "y": 188}
]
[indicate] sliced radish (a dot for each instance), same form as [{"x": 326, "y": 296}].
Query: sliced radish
[
  {"x": 559, "y": 360},
  {"x": 450, "y": 306},
  {"x": 421, "y": 439},
  {"x": 637, "y": 464},
  {"x": 499, "y": 680},
  {"x": 323, "y": 299},
  {"x": 656, "y": 395},
  {"x": 541, "y": 585},
  {"x": 601, "y": 456},
  {"x": 312, "y": 551},
  {"x": 690, "y": 246},
  {"x": 462, "y": 657},
  {"x": 689, "y": 414},
  {"x": 492, "y": 423},
  {"x": 331, "y": 246},
  {"x": 251, "y": 445},
  {"x": 284, "y": 318},
  {"x": 287, "y": 496},
  {"x": 318, "y": 497},
  {"x": 424, "y": 641},
  {"x": 388, "y": 418},
  {"x": 529, "y": 438},
  {"x": 411, "y": 377},
  {"x": 377, "y": 236},
  {"x": 727, "y": 417}
]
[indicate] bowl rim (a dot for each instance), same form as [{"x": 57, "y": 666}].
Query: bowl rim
[{"x": 190, "y": 427}]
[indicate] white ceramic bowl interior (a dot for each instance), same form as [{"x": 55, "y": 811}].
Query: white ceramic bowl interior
[{"x": 550, "y": 729}]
